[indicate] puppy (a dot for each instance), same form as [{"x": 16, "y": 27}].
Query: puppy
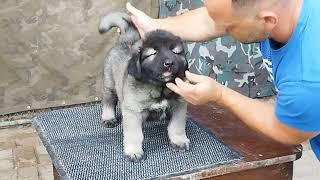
[{"x": 135, "y": 74}]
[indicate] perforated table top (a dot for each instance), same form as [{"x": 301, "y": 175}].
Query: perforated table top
[{"x": 81, "y": 148}]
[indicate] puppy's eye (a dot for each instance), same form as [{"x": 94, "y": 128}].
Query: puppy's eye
[
  {"x": 149, "y": 52},
  {"x": 177, "y": 50}
]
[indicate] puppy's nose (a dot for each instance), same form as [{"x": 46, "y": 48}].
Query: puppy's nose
[{"x": 168, "y": 63}]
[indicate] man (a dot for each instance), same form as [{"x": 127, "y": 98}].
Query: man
[{"x": 287, "y": 32}]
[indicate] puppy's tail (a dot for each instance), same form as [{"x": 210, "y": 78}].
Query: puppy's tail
[
  {"x": 129, "y": 33},
  {"x": 115, "y": 19}
]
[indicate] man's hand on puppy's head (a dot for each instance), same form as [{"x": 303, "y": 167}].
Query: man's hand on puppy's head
[{"x": 143, "y": 22}]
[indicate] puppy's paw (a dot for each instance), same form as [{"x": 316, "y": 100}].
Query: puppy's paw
[
  {"x": 181, "y": 143},
  {"x": 110, "y": 123},
  {"x": 108, "y": 118},
  {"x": 134, "y": 154},
  {"x": 134, "y": 157}
]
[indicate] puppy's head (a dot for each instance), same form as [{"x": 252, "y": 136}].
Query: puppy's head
[{"x": 161, "y": 59}]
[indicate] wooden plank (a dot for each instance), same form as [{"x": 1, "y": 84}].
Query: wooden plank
[
  {"x": 274, "y": 172},
  {"x": 257, "y": 150},
  {"x": 251, "y": 145}
]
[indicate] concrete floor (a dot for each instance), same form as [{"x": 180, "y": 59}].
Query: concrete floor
[{"x": 308, "y": 167}]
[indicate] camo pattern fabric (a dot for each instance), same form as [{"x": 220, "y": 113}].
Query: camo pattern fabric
[
  {"x": 233, "y": 64},
  {"x": 51, "y": 53}
]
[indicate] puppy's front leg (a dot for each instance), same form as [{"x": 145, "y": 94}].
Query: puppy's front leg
[
  {"x": 109, "y": 103},
  {"x": 177, "y": 127},
  {"x": 132, "y": 135}
]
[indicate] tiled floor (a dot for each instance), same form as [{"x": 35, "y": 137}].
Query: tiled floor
[{"x": 23, "y": 157}]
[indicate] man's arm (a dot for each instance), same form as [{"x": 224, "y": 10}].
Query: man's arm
[
  {"x": 256, "y": 114},
  {"x": 195, "y": 25},
  {"x": 260, "y": 116}
]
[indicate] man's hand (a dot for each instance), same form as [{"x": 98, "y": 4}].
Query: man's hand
[
  {"x": 202, "y": 28},
  {"x": 143, "y": 22},
  {"x": 200, "y": 90}
]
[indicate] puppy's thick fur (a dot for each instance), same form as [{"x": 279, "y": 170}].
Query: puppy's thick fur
[{"x": 135, "y": 74}]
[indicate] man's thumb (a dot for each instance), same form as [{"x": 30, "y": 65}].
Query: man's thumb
[
  {"x": 137, "y": 24},
  {"x": 134, "y": 11}
]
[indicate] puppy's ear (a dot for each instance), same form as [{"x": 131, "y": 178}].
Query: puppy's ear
[{"x": 134, "y": 67}]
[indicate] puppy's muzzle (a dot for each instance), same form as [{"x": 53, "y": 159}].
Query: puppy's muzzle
[{"x": 168, "y": 63}]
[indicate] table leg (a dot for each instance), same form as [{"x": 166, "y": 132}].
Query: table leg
[{"x": 55, "y": 174}]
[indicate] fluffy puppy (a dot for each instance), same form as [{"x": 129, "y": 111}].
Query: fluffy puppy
[{"x": 135, "y": 74}]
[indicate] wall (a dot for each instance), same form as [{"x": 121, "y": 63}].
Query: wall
[{"x": 51, "y": 53}]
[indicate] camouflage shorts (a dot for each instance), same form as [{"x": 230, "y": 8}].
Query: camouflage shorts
[{"x": 233, "y": 64}]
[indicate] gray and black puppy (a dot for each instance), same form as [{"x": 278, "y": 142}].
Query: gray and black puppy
[{"x": 135, "y": 73}]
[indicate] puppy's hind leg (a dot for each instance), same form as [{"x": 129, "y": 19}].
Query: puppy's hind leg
[{"x": 109, "y": 103}]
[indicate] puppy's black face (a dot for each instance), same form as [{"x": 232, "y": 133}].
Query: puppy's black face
[{"x": 162, "y": 58}]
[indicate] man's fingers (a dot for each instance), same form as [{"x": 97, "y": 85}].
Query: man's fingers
[
  {"x": 194, "y": 78},
  {"x": 174, "y": 88},
  {"x": 184, "y": 85},
  {"x": 133, "y": 10}
]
